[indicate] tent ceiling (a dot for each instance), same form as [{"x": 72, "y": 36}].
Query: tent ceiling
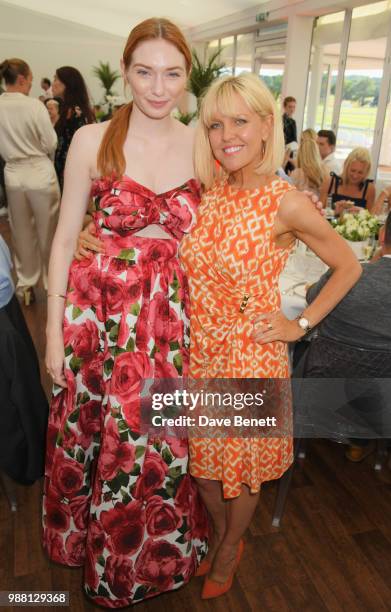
[{"x": 119, "y": 16}]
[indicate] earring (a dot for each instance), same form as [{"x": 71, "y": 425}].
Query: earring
[{"x": 263, "y": 150}]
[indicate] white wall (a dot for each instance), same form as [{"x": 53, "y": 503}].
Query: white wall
[{"x": 46, "y": 43}]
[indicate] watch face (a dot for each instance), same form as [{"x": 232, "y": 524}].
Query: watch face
[{"x": 304, "y": 323}]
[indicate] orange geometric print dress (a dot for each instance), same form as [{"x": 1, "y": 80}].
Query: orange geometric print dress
[{"x": 233, "y": 267}]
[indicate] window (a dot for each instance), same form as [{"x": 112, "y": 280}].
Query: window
[
  {"x": 363, "y": 76},
  {"x": 227, "y": 53},
  {"x": 326, "y": 50},
  {"x": 244, "y": 52}
]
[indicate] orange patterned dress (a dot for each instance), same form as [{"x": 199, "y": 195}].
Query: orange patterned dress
[{"x": 233, "y": 266}]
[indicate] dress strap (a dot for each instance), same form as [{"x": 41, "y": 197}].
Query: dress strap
[
  {"x": 366, "y": 183},
  {"x": 334, "y": 184}
]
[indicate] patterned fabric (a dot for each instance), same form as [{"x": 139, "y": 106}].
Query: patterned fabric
[
  {"x": 233, "y": 266},
  {"x": 119, "y": 503},
  {"x": 65, "y": 131}
]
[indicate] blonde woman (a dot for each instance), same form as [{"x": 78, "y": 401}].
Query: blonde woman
[
  {"x": 246, "y": 226},
  {"x": 309, "y": 174},
  {"x": 353, "y": 189},
  {"x": 308, "y": 134}
]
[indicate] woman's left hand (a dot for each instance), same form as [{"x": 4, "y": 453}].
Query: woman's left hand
[{"x": 273, "y": 327}]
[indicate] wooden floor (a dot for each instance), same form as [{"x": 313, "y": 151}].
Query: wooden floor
[{"x": 333, "y": 551}]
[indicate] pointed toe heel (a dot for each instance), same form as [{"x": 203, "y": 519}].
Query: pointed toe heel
[{"x": 213, "y": 589}]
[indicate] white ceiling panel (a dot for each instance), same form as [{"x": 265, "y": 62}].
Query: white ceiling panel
[{"x": 119, "y": 16}]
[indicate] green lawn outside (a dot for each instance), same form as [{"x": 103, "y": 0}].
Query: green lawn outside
[{"x": 359, "y": 117}]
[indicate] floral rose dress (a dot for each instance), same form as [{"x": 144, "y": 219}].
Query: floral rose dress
[{"x": 119, "y": 503}]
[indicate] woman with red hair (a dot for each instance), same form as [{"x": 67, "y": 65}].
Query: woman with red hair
[{"x": 118, "y": 502}]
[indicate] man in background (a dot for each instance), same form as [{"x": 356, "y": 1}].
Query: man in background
[
  {"x": 289, "y": 124},
  {"x": 326, "y": 143}
]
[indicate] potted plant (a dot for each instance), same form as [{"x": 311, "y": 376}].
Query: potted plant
[
  {"x": 107, "y": 78},
  {"x": 202, "y": 75},
  {"x": 357, "y": 229}
]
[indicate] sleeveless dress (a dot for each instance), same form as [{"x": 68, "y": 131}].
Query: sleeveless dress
[
  {"x": 336, "y": 183},
  {"x": 119, "y": 503},
  {"x": 233, "y": 267}
]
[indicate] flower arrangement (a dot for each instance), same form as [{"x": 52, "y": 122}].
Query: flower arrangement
[{"x": 357, "y": 226}]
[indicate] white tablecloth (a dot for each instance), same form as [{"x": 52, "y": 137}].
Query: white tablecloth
[
  {"x": 302, "y": 267},
  {"x": 291, "y": 304}
]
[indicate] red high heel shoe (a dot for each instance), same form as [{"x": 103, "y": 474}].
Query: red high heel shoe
[{"x": 212, "y": 589}]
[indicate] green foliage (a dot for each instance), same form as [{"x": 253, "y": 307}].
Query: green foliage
[
  {"x": 274, "y": 83},
  {"x": 106, "y": 76},
  {"x": 361, "y": 89},
  {"x": 202, "y": 75},
  {"x": 185, "y": 118}
]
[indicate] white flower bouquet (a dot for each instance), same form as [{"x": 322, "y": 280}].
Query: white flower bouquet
[{"x": 357, "y": 227}]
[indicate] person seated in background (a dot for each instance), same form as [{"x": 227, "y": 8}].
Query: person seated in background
[
  {"x": 354, "y": 340},
  {"x": 308, "y": 134},
  {"x": 23, "y": 406},
  {"x": 353, "y": 188},
  {"x": 6, "y": 283},
  {"x": 309, "y": 173},
  {"x": 327, "y": 142},
  {"x": 383, "y": 202}
]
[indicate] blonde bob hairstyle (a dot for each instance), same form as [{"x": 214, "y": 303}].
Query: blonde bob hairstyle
[
  {"x": 360, "y": 154},
  {"x": 220, "y": 97}
]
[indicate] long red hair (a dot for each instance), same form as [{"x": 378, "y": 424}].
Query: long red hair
[{"x": 111, "y": 159}]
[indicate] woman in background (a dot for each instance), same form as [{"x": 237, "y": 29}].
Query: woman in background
[
  {"x": 309, "y": 173},
  {"x": 53, "y": 106},
  {"x": 69, "y": 86},
  {"x": 383, "y": 202},
  {"x": 308, "y": 134},
  {"x": 27, "y": 144},
  {"x": 353, "y": 188}
]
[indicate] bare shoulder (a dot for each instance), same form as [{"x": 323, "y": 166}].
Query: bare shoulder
[
  {"x": 294, "y": 203},
  {"x": 92, "y": 133},
  {"x": 86, "y": 141},
  {"x": 84, "y": 147}
]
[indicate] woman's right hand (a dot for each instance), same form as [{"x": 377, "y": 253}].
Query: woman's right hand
[
  {"x": 87, "y": 243},
  {"x": 54, "y": 359}
]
